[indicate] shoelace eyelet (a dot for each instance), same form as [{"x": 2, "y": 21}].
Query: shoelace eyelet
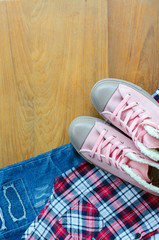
[{"x": 109, "y": 164}]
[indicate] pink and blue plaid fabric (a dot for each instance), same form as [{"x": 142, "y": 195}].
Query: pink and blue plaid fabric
[
  {"x": 156, "y": 95},
  {"x": 88, "y": 203}
]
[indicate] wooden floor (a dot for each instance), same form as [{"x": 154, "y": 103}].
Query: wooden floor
[{"x": 51, "y": 54}]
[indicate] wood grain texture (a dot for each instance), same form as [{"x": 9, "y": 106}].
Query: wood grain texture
[
  {"x": 51, "y": 54},
  {"x": 133, "y": 33}
]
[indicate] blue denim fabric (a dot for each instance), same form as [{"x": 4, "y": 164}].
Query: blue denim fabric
[{"x": 26, "y": 186}]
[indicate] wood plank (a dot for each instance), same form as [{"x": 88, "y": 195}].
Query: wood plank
[
  {"x": 133, "y": 33},
  {"x": 51, "y": 54}
]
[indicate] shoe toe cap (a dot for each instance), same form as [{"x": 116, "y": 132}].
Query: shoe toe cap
[
  {"x": 79, "y": 130},
  {"x": 102, "y": 92}
]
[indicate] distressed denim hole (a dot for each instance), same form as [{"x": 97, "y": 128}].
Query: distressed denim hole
[
  {"x": 2, "y": 221},
  {"x": 16, "y": 207},
  {"x": 15, "y": 204}
]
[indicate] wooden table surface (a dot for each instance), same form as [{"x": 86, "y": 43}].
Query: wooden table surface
[{"x": 52, "y": 52}]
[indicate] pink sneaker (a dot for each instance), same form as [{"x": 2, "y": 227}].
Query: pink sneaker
[
  {"x": 130, "y": 109},
  {"x": 104, "y": 146}
]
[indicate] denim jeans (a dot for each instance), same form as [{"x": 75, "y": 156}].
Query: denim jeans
[{"x": 26, "y": 186}]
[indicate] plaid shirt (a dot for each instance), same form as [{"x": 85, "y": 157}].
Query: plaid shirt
[
  {"x": 88, "y": 203},
  {"x": 156, "y": 95}
]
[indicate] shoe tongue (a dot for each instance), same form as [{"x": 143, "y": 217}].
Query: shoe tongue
[
  {"x": 154, "y": 132},
  {"x": 150, "y": 141}
]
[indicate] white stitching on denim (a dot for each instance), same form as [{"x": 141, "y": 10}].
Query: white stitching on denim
[
  {"x": 9, "y": 203},
  {"x": 3, "y": 227},
  {"x": 26, "y": 192}
]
